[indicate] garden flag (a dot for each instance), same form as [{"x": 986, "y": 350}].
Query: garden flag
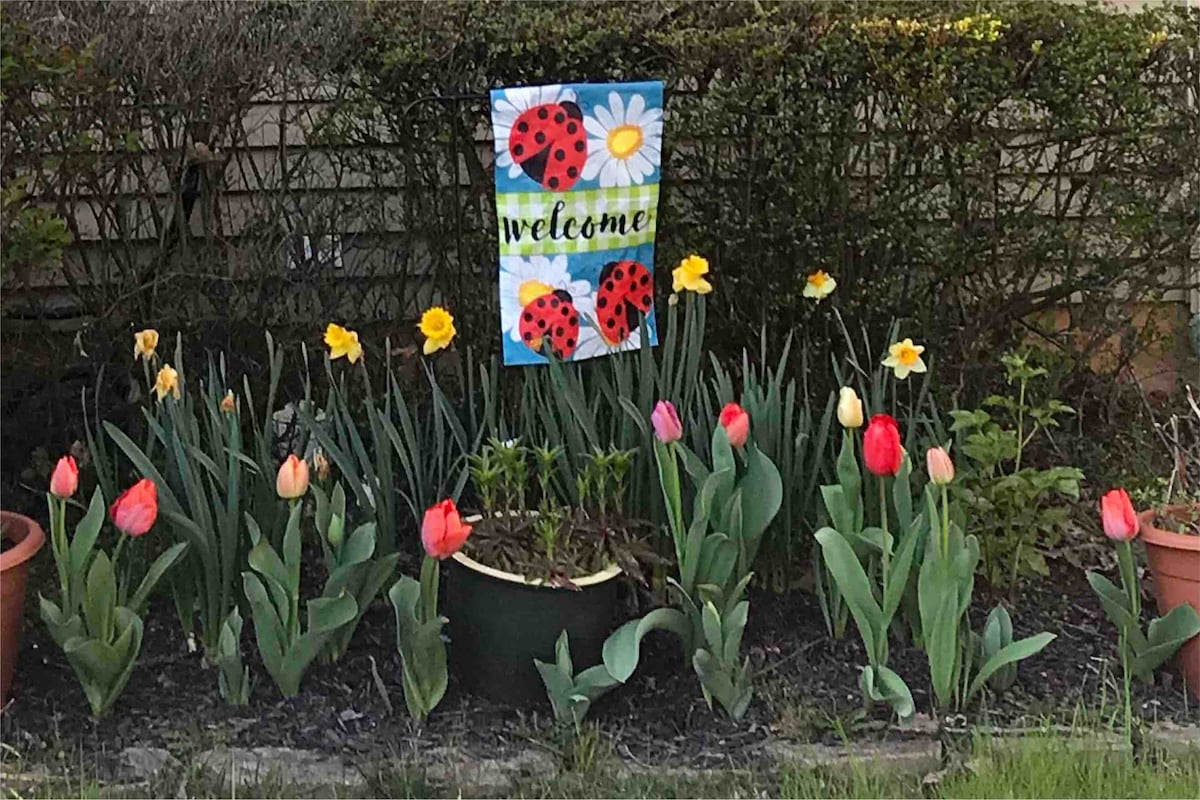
[{"x": 577, "y": 173}]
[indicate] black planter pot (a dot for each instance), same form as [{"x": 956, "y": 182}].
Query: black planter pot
[{"x": 499, "y": 624}]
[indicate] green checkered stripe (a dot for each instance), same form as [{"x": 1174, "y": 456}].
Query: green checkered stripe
[{"x": 522, "y": 209}]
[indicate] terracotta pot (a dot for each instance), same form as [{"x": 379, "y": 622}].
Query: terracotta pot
[
  {"x": 26, "y": 538},
  {"x": 1175, "y": 563},
  {"x": 500, "y": 622}
]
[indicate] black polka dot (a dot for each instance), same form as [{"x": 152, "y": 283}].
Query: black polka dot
[
  {"x": 619, "y": 274},
  {"x": 554, "y": 183},
  {"x": 633, "y": 286},
  {"x": 571, "y": 171},
  {"x": 528, "y": 336},
  {"x": 561, "y": 155},
  {"x": 573, "y": 322},
  {"x": 543, "y": 113},
  {"x": 570, "y": 342},
  {"x": 523, "y": 126},
  {"x": 602, "y": 302},
  {"x": 528, "y": 317},
  {"x": 539, "y": 137},
  {"x": 565, "y": 311},
  {"x": 579, "y": 146},
  {"x": 518, "y": 149},
  {"x": 572, "y": 128},
  {"x": 611, "y": 322},
  {"x": 541, "y": 323},
  {"x": 559, "y": 331},
  {"x": 646, "y": 300},
  {"x": 554, "y": 302},
  {"x": 560, "y": 118},
  {"x": 541, "y": 302},
  {"x": 610, "y": 286}
]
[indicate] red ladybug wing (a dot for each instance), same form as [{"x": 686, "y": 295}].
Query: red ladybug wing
[
  {"x": 625, "y": 289},
  {"x": 551, "y": 318},
  {"x": 549, "y": 143}
]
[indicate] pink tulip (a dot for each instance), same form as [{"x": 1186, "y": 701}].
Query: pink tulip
[
  {"x": 65, "y": 479},
  {"x": 736, "y": 423},
  {"x": 1116, "y": 512},
  {"x": 941, "y": 468},
  {"x": 665, "y": 419}
]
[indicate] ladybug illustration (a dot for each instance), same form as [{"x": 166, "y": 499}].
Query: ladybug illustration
[
  {"x": 550, "y": 145},
  {"x": 551, "y": 317},
  {"x": 624, "y": 290}
]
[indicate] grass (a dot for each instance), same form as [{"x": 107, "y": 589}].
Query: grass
[{"x": 1034, "y": 767}]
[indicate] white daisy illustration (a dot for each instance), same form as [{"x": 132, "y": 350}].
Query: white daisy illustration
[
  {"x": 592, "y": 344},
  {"x": 624, "y": 143},
  {"x": 516, "y": 102},
  {"x": 523, "y": 280}
]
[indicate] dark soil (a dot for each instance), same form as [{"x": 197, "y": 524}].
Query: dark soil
[{"x": 806, "y": 688}]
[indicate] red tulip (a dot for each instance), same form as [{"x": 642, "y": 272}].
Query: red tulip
[
  {"x": 941, "y": 468},
  {"x": 65, "y": 479},
  {"x": 736, "y": 423},
  {"x": 665, "y": 420},
  {"x": 442, "y": 530},
  {"x": 135, "y": 511},
  {"x": 292, "y": 480},
  {"x": 881, "y": 445},
  {"x": 1116, "y": 512}
]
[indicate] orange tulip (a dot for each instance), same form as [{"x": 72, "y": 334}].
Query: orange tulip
[
  {"x": 443, "y": 532},
  {"x": 135, "y": 511},
  {"x": 65, "y": 479},
  {"x": 292, "y": 480}
]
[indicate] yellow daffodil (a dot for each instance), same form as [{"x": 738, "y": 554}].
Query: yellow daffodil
[
  {"x": 819, "y": 286},
  {"x": 689, "y": 275},
  {"x": 144, "y": 343},
  {"x": 905, "y": 357},
  {"x": 437, "y": 326},
  {"x": 167, "y": 382},
  {"x": 343, "y": 342},
  {"x": 227, "y": 402}
]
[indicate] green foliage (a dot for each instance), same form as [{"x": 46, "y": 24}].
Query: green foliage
[
  {"x": 351, "y": 562},
  {"x": 233, "y": 677},
  {"x": 999, "y": 654},
  {"x": 571, "y": 694},
  {"x": 97, "y": 623},
  {"x": 1012, "y": 507},
  {"x": 273, "y": 590},
  {"x": 419, "y": 640}
]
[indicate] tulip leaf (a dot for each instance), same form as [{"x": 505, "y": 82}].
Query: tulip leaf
[
  {"x": 157, "y": 569},
  {"x": 1010, "y": 654},
  {"x": 623, "y": 646},
  {"x": 100, "y": 601},
  {"x": 86, "y": 532},
  {"x": 852, "y": 582},
  {"x": 359, "y": 545},
  {"x": 1164, "y": 637}
]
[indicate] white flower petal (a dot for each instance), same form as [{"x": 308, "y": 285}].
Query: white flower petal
[
  {"x": 596, "y": 128},
  {"x": 591, "y": 167},
  {"x": 633, "y": 114},
  {"x": 608, "y": 174},
  {"x": 618, "y": 107},
  {"x": 605, "y": 118}
]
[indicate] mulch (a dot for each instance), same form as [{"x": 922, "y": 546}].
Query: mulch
[{"x": 806, "y": 688}]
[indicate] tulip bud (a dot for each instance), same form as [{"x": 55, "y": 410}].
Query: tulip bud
[
  {"x": 135, "y": 511},
  {"x": 228, "y": 404},
  {"x": 443, "y": 532},
  {"x": 292, "y": 480},
  {"x": 881, "y": 446},
  {"x": 1116, "y": 512},
  {"x": 665, "y": 420},
  {"x": 736, "y": 423},
  {"x": 941, "y": 468},
  {"x": 65, "y": 479},
  {"x": 321, "y": 463},
  {"x": 337, "y": 530},
  {"x": 849, "y": 408}
]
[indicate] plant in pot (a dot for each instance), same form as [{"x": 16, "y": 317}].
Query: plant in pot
[{"x": 536, "y": 566}]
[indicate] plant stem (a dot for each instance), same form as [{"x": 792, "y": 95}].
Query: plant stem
[
  {"x": 1020, "y": 424},
  {"x": 430, "y": 578},
  {"x": 883, "y": 521},
  {"x": 945, "y": 522},
  {"x": 117, "y": 551},
  {"x": 62, "y": 553}
]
